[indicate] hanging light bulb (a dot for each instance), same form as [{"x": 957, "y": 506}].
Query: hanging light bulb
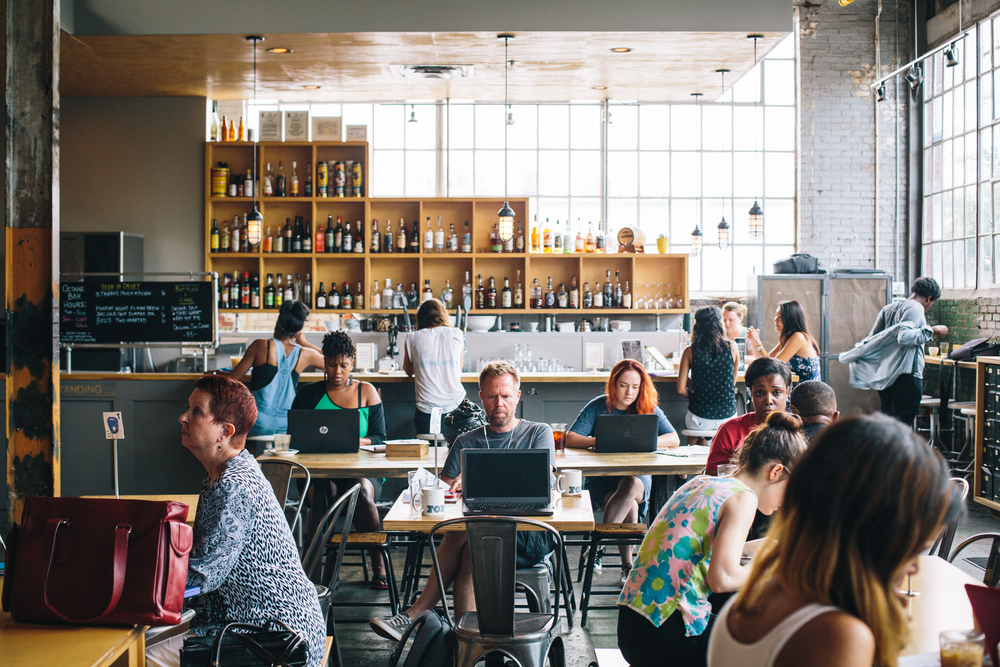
[
  {"x": 255, "y": 221},
  {"x": 756, "y": 213},
  {"x": 696, "y": 240},
  {"x": 756, "y": 227},
  {"x": 413, "y": 115},
  {"x": 951, "y": 56},
  {"x": 723, "y": 234},
  {"x": 505, "y": 216}
]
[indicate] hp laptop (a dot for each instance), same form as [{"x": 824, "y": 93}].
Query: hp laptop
[
  {"x": 506, "y": 481},
  {"x": 324, "y": 431},
  {"x": 626, "y": 433}
]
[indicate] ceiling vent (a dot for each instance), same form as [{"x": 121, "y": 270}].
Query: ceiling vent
[{"x": 430, "y": 71}]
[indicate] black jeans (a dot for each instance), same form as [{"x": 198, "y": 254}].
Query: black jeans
[
  {"x": 901, "y": 399},
  {"x": 642, "y": 643}
]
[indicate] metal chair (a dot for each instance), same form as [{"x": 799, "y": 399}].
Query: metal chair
[
  {"x": 992, "y": 575},
  {"x": 944, "y": 541},
  {"x": 324, "y": 574},
  {"x": 279, "y": 473},
  {"x": 606, "y": 534},
  {"x": 526, "y": 638}
]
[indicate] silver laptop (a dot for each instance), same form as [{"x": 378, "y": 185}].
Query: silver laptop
[
  {"x": 506, "y": 481},
  {"x": 324, "y": 431},
  {"x": 626, "y": 433}
]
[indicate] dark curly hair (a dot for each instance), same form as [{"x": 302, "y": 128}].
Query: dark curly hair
[
  {"x": 927, "y": 288},
  {"x": 338, "y": 344},
  {"x": 765, "y": 366}
]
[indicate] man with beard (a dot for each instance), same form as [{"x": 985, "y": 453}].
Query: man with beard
[{"x": 499, "y": 390}]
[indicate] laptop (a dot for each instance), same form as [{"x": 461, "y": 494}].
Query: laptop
[
  {"x": 324, "y": 431},
  {"x": 626, "y": 433},
  {"x": 506, "y": 482}
]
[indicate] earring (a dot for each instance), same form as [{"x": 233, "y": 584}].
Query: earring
[{"x": 219, "y": 447}]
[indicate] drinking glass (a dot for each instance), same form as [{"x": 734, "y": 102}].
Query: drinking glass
[
  {"x": 559, "y": 435},
  {"x": 962, "y": 648},
  {"x": 944, "y": 346}
]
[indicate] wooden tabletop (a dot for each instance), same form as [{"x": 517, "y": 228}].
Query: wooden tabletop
[
  {"x": 945, "y": 361},
  {"x": 361, "y": 464},
  {"x": 649, "y": 463},
  {"x": 189, "y": 499},
  {"x": 942, "y": 605},
  {"x": 573, "y": 513},
  {"x": 30, "y": 645}
]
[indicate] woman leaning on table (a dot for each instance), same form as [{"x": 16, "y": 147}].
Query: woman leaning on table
[
  {"x": 629, "y": 391},
  {"x": 244, "y": 558},
  {"x": 796, "y": 346},
  {"x": 432, "y": 356},
  {"x": 340, "y": 391},
  {"x": 865, "y": 500}
]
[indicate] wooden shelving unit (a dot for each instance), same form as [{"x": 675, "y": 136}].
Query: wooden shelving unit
[{"x": 405, "y": 268}]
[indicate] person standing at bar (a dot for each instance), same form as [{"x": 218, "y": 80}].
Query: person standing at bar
[{"x": 432, "y": 356}]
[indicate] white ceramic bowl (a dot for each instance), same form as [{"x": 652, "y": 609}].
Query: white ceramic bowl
[
  {"x": 621, "y": 325},
  {"x": 481, "y": 323}
]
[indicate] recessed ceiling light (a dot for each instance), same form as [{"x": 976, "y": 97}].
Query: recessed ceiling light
[
  {"x": 279, "y": 50},
  {"x": 621, "y": 49},
  {"x": 311, "y": 87},
  {"x": 600, "y": 87}
]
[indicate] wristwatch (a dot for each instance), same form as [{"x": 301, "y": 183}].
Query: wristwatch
[{"x": 760, "y": 348}]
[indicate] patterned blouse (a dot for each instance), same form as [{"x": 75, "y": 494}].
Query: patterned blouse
[
  {"x": 671, "y": 568},
  {"x": 713, "y": 391},
  {"x": 245, "y": 560},
  {"x": 807, "y": 368}
]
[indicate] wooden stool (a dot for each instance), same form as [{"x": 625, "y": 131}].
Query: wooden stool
[{"x": 606, "y": 534}]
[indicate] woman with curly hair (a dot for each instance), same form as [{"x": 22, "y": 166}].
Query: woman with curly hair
[{"x": 340, "y": 391}]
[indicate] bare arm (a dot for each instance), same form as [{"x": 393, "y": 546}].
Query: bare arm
[
  {"x": 255, "y": 355},
  {"x": 834, "y": 639},
  {"x": 407, "y": 364},
  {"x": 309, "y": 358},
  {"x": 736, "y": 361},
  {"x": 577, "y": 441},
  {"x": 300, "y": 339},
  {"x": 668, "y": 441},
  {"x": 454, "y": 483},
  {"x": 725, "y": 573},
  {"x": 682, "y": 373}
]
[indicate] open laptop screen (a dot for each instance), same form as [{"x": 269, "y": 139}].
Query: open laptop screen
[{"x": 505, "y": 475}]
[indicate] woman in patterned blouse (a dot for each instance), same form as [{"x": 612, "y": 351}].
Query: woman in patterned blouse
[
  {"x": 244, "y": 558},
  {"x": 692, "y": 551}
]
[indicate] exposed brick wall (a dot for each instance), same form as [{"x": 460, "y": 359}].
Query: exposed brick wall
[{"x": 967, "y": 318}]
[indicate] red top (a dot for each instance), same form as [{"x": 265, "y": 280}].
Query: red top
[{"x": 728, "y": 439}]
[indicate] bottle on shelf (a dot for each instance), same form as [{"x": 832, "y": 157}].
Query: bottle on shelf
[
  {"x": 268, "y": 188},
  {"x": 491, "y": 294},
  {"x": 224, "y": 130},
  {"x": 518, "y": 292},
  {"x": 506, "y": 296},
  {"x": 567, "y": 239},
  {"x": 288, "y": 233},
  {"x": 588, "y": 243},
  {"x": 609, "y": 290},
  {"x": 321, "y": 297},
  {"x": 376, "y": 244},
  {"x": 242, "y": 131},
  {"x": 359, "y": 239},
  {"x": 574, "y": 294},
  {"x": 480, "y": 293},
  {"x": 508, "y": 245},
  {"x": 387, "y": 238},
  {"x": 279, "y": 240},
  {"x": 428, "y": 293},
  {"x": 215, "y": 234},
  {"x": 307, "y": 293},
  {"x": 618, "y": 290},
  {"x": 429, "y": 237},
  {"x": 234, "y": 291},
  {"x": 338, "y": 235},
  {"x": 213, "y": 132},
  {"x": 452, "y": 245},
  {"x": 376, "y": 300},
  {"x": 557, "y": 240},
  {"x": 467, "y": 292},
  {"x": 536, "y": 294},
  {"x": 255, "y": 292},
  {"x": 346, "y": 299},
  {"x": 448, "y": 295},
  {"x": 562, "y": 296},
  {"x": 293, "y": 186},
  {"x": 307, "y": 188},
  {"x": 627, "y": 297},
  {"x": 401, "y": 236},
  {"x": 333, "y": 297},
  {"x": 547, "y": 238},
  {"x": 439, "y": 238},
  {"x": 536, "y": 244},
  {"x": 359, "y": 297},
  {"x": 224, "y": 291},
  {"x": 297, "y": 235},
  {"x": 328, "y": 235},
  {"x": 292, "y": 290},
  {"x": 579, "y": 244},
  {"x": 409, "y": 297},
  {"x": 519, "y": 238},
  {"x": 307, "y": 237},
  {"x": 279, "y": 292},
  {"x": 598, "y": 301},
  {"x": 496, "y": 245},
  {"x": 388, "y": 295},
  {"x": 224, "y": 237},
  {"x": 467, "y": 239},
  {"x": 347, "y": 242},
  {"x": 269, "y": 292},
  {"x": 248, "y": 184},
  {"x": 232, "y": 130},
  {"x": 322, "y": 179},
  {"x": 588, "y": 296},
  {"x": 319, "y": 243},
  {"x": 279, "y": 185},
  {"x": 415, "y": 238},
  {"x": 599, "y": 239},
  {"x": 550, "y": 295},
  {"x": 267, "y": 243}
]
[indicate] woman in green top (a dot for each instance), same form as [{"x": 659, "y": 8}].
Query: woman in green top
[{"x": 339, "y": 391}]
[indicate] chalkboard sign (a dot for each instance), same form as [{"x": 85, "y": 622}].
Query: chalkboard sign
[{"x": 136, "y": 312}]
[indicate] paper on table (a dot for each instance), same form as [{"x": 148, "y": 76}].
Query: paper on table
[
  {"x": 686, "y": 451},
  {"x": 425, "y": 478},
  {"x": 375, "y": 449},
  {"x": 920, "y": 660}
]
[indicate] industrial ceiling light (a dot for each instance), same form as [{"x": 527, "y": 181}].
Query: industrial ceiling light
[
  {"x": 621, "y": 49},
  {"x": 255, "y": 221},
  {"x": 600, "y": 87},
  {"x": 311, "y": 86},
  {"x": 723, "y": 234},
  {"x": 505, "y": 216},
  {"x": 880, "y": 93},
  {"x": 756, "y": 225},
  {"x": 280, "y": 50},
  {"x": 914, "y": 77},
  {"x": 413, "y": 115},
  {"x": 951, "y": 55},
  {"x": 696, "y": 239}
]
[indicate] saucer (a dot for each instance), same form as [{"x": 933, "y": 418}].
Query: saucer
[{"x": 283, "y": 452}]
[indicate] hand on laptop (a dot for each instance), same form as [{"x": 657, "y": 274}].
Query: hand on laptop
[{"x": 456, "y": 486}]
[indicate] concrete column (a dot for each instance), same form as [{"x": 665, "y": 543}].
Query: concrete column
[{"x": 31, "y": 260}]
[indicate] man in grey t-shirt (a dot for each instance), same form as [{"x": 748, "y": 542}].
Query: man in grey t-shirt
[{"x": 499, "y": 390}]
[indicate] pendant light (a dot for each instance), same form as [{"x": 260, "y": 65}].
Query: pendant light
[
  {"x": 255, "y": 221},
  {"x": 756, "y": 226},
  {"x": 723, "y": 227},
  {"x": 696, "y": 240},
  {"x": 413, "y": 115},
  {"x": 505, "y": 216}
]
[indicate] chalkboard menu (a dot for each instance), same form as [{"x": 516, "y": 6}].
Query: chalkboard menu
[{"x": 136, "y": 312}]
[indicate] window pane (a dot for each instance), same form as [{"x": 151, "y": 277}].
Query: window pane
[
  {"x": 490, "y": 124},
  {"x": 524, "y": 132},
  {"x": 420, "y": 173},
  {"x": 460, "y": 174},
  {"x": 925, "y": 230},
  {"x": 970, "y": 158},
  {"x": 970, "y": 213},
  {"x": 946, "y": 164},
  {"x": 685, "y": 174},
  {"x": 985, "y": 260},
  {"x": 779, "y": 221},
  {"x": 683, "y": 216},
  {"x": 985, "y": 209},
  {"x": 937, "y": 119},
  {"x": 747, "y": 175},
  {"x": 685, "y": 127},
  {"x": 553, "y": 208},
  {"x": 622, "y": 174},
  {"x": 937, "y": 227},
  {"x": 423, "y": 133},
  {"x": 986, "y": 155},
  {"x": 747, "y": 89},
  {"x": 780, "y": 174},
  {"x": 947, "y": 222},
  {"x": 654, "y": 217},
  {"x": 958, "y": 212},
  {"x": 460, "y": 126},
  {"x": 717, "y": 170},
  {"x": 717, "y": 132},
  {"x": 947, "y": 266},
  {"x": 585, "y": 126},
  {"x": 720, "y": 276},
  {"x": 947, "y": 112},
  {"x": 387, "y": 177},
  {"x": 389, "y": 124},
  {"x": 623, "y": 130},
  {"x": 970, "y": 262},
  {"x": 553, "y": 126},
  {"x": 654, "y": 174},
  {"x": 623, "y": 212},
  {"x": 585, "y": 210},
  {"x": 553, "y": 173},
  {"x": 654, "y": 125},
  {"x": 970, "y": 106},
  {"x": 585, "y": 173},
  {"x": 746, "y": 132},
  {"x": 779, "y": 129},
  {"x": 779, "y": 82},
  {"x": 489, "y": 173},
  {"x": 522, "y": 174}
]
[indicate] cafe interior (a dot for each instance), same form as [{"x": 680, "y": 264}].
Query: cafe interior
[{"x": 701, "y": 143}]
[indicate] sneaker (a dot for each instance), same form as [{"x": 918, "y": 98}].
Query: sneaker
[
  {"x": 598, "y": 562},
  {"x": 624, "y": 575},
  {"x": 392, "y": 627}
]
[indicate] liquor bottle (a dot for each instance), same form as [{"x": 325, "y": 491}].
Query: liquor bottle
[
  {"x": 627, "y": 297},
  {"x": 297, "y": 235},
  {"x": 288, "y": 232},
  {"x": 415, "y": 238},
  {"x": 495, "y": 244},
  {"x": 359, "y": 297},
  {"x": 574, "y": 294},
  {"x": 557, "y": 240},
  {"x": 224, "y": 237},
  {"x": 562, "y": 296},
  {"x": 567, "y": 239},
  {"x": 491, "y": 294},
  {"x": 439, "y": 237},
  {"x": 506, "y": 296},
  {"x": 338, "y": 235},
  {"x": 588, "y": 243},
  {"x": 480, "y": 293},
  {"x": 401, "y": 236},
  {"x": 224, "y": 291},
  {"x": 547, "y": 238},
  {"x": 307, "y": 292},
  {"x": 328, "y": 236},
  {"x": 536, "y": 294},
  {"x": 599, "y": 239},
  {"x": 215, "y": 235},
  {"x": 409, "y": 297},
  {"x": 428, "y": 293},
  {"x": 269, "y": 292},
  {"x": 293, "y": 187},
  {"x": 307, "y": 238},
  {"x": 519, "y": 239},
  {"x": 333, "y": 298},
  {"x": 269, "y": 181},
  {"x": 467, "y": 291},
  {"x": 550, "y": 295},
  {"x": 248, "y": 184},
  {"x": 346, "y": 300},
  {"x": 213, "y": 133},
  {"x": 579, "y": 244},
  {"x": 518, "y": 292},
  {"x": 447, "y": 295},
  {"x": 608, "y": 290},
  {"x": 376, "y": 244},
  {"x": 234, "y": 291},
  {"x": 429, "y": 237},
  {"x": 308, "y": 186},
  {"x": 359, "y": 239},
  {"x": 255, "y": 292},
  {"x": 232, "y": 130},
  {"x": 279, "y": 240},
  {"x": 267, "y": 243},
  {"x": 588, "y": 296},
  {"x": 618, "y": 290},
  {"x": 321, "y": 298},
  {"x": 387, "y": 238},
  {"x": 224, "y": 130},
  {"x": 508, "y": 245},
  {"x": 279, "y": 292},
  {"x": 242, "y": 131},
  {"x": 388, "y": 295},
  {"x": 279, "y": 186},
  {"x": 348, "y": 239},
  {"x": 536, "y": 245},
  {"x": 376, "y": 299},
  {"x": 289, "y": 288},
  {"x": 319, "y": 244},
  {"x": 467, "y": 239},
  {"x": 452, "y": 238}
]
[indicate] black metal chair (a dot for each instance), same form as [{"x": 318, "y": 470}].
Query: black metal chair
[
  {"x": 992, "y": 575},
  {"x": 942, "y": 545},
  {"x": 279, "y": 473}
]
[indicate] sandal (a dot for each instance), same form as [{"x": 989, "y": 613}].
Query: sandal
[{"x": 380, "y": 582}]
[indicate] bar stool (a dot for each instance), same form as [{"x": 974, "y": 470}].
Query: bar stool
[
  {"x": 966, "y": 413},
  {"x": 931, "y": 404},
  {"x": 706, "y": 434},
  {"x": 606, "y": 534}
]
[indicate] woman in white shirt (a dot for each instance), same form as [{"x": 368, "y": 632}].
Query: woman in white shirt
[{"x": 432, "y": 356}]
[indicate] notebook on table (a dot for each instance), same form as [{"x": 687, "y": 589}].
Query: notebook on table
[
  {"x": 985, "y": 603},
  {"x": 325, "y": 431},
  {"x": 506, "y": 481},
  {"x": 626, "y": 433}
]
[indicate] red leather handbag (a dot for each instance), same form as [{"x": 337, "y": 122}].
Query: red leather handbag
[{"x": 97, "y": 561}]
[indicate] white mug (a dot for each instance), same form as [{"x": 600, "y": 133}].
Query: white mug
[
  {"x": 429, "y": 501},
  {"x": 570, "y": 482}
]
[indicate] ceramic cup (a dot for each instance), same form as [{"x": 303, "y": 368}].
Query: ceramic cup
[
  {"x": 570, "y": 482},
  {"x": 429, "y": 502},
  {"x": 933, "y": 351}
]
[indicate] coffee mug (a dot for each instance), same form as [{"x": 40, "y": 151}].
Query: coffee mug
[
  {"x": 429, "y": 501},
  {"x": 570, "y": 482}
]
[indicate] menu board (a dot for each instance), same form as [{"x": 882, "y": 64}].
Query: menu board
[{"x": 136, "y": 312}]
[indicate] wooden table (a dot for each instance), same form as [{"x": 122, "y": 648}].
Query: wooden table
[
  {"x": 572, "y": 514},
  {"x": 361, "y": 464},
  {"x": 647, "y": 463},
  {"x": 189, "y": 499},
  {"x": 943, "y": 604},
  {"x": 30, "y": 645}
]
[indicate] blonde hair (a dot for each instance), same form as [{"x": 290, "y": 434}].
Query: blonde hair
[
  {"x": 735, "y": 307},
  {"x": 497, "y": 369}
]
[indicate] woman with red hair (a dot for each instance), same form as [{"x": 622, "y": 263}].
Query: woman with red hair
[{"x": 629, "y": 391}]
